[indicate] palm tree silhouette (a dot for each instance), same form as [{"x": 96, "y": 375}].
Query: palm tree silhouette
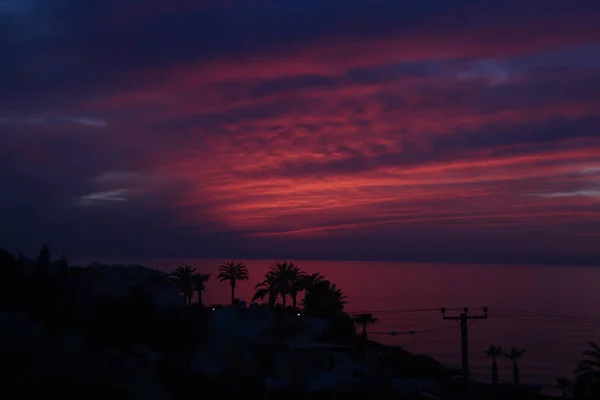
[
  {"x": 588, "y": 370},
  {"x": 199, "y": 286},
  {"x": 494, "y": 351},
  {"x": 515, "y": 355},
  {"x": 267, "y": 288},
  {"x": 297, "y": 284},
  {"x": 233, "y": 272},
  {"x": 309, "y": 281},
  {"x": 185, "y": 277},
  {"x": 284, "y": 273},
  {"x": 323, "y": 299},
  {"x": 364, "y": 320}
]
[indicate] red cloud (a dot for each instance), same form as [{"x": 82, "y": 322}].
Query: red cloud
[{"x": 340, "y": 156}]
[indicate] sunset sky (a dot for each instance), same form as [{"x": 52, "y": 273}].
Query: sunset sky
[{"x": 434, "y": 130}]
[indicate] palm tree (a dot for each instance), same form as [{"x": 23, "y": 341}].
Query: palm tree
[
  {"x": 588, "y": 369},
  {"x": 363, "y": 320},
  {"x": 199, "y": 286},
  {"x": 284, "y": 273},
  {"x": 297, "y": 284},
  {"x": 323, "y": 299},
  {"x": 267, "y": 288},
  {"x": 233, "y": 272},
  {"x": 494, "y": 351},
  {"x": 311, "y": 280},
  {"x": 185, "y": 277},
  {"x": 515, "y": 355}
]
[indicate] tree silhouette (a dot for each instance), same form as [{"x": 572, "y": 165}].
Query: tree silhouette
[
  {"x": 185, "y": 277},
  {"x": 364, "y": 320},
  {"x": 309, "y": 281},
  {"x": 494, "y": 351},
  {"x": 565, "y": 386},
  {"x": 297, "y": 283},
  {"x": 199, "y": 285},
  {"x": 515, "y": 355},
  {"x": 63, "y": 262},
  {"x": 7, "y": 260},
  {"x": 323, "y": 299},
  {"x": 43, "y": 260},
  {"x": 267, "y": 288},
  {"x": 284, "y": 273},
  {"x": 588, "y": 370},
  {"x": 233, "y": 272}
]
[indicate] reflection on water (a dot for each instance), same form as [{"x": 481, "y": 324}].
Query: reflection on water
[{"x": 533, "y": 307}]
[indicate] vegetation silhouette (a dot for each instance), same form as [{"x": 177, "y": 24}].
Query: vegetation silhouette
[
  {"x": 59, "y": 298},
  {"x": 285, "y": 274},
  {"x": 186, "y": 278},
  {"x": 232, "y": 272},
  {"x": 323, "y": 299},
  {"x": 565, "y": 386},
  {"x": 267, "y": 288},
  {"x": 515, "y": 355},
  {"x": 494, "y": 351},
  {"x": 364, "y": 320},
  {"x": 199, "y": 286},
  {"x": 588, "y": 372},
  {"x": 43, "y": 260},
  {"x": 310, "y": 280}
]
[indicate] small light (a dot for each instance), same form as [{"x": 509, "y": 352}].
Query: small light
[
  {"x": 298, "y": 314},
  {"x": 213, "y": 309}
]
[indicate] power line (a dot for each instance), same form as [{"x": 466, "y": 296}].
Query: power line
[
  {"x": 557, "y": 320},
  {"x": 588, "y": 321},
  {"x": 401, "y": 311},
  {"x": 582, "y": 324},
  {"x": 582, "y": 317},
  {"x": 412, "y": 332}
]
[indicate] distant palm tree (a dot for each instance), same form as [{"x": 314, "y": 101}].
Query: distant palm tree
[
  {"x": 588, "y": 370},
  {"x": 494, "y": 351},
  {"x": 185, "y": 277},
  {"x": 284, "y": 273},
  {"x": 267, "y": 288},
  {"x": 323, "y": 299},
  {"x": 233, "y": 272},
  {"x": 364, "y": 320},
  {"x": 199, "y": 285},
  {"x": 515, "y": 355}
]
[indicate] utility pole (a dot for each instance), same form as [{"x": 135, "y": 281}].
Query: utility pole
[{"x": 464, "y": 335}]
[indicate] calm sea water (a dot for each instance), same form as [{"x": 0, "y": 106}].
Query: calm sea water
[{"x": 550, "y": 311}]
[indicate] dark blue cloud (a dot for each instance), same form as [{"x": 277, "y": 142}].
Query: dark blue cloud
[{"x": 61, "y": 47}]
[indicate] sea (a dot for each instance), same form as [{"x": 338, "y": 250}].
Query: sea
[{"x": 550, "y": 311}]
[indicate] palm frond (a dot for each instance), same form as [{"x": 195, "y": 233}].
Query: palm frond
[
  {"x": 260, "y": 294},
  {"x": 595, "y": 346},
  {"x": 232, "y": 272},
  {"x": 591, "y": 353},
  {"x": 494, "y": 351}
]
